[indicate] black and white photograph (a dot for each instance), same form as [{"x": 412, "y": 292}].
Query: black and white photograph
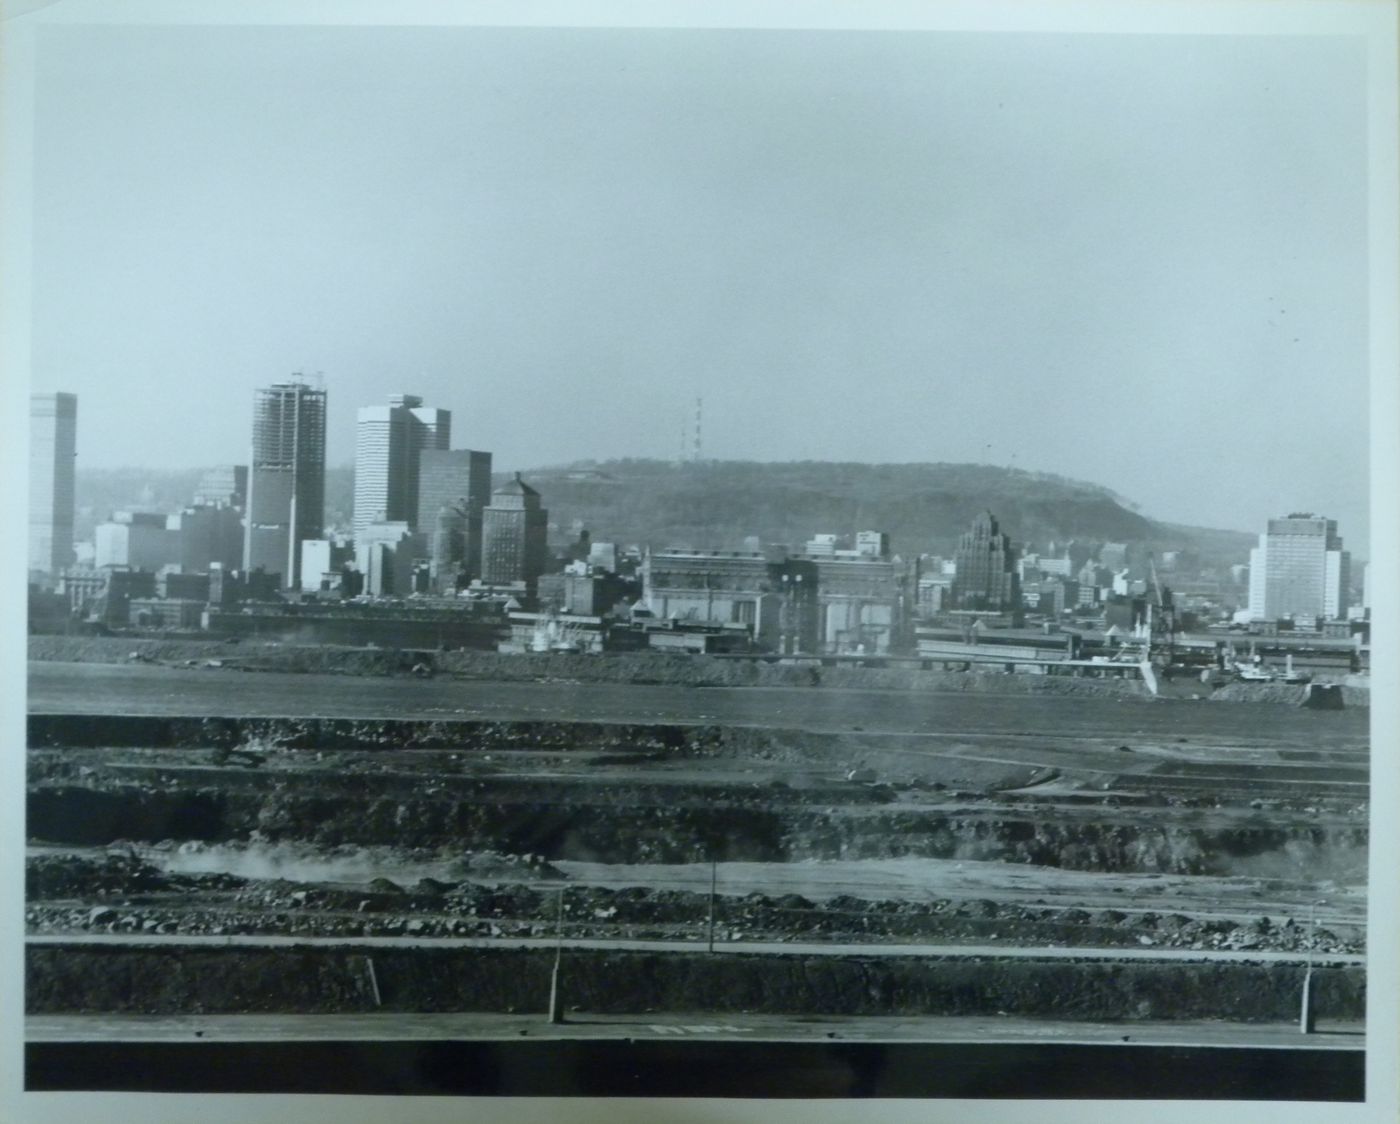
[{"x": 776, "y": 558}]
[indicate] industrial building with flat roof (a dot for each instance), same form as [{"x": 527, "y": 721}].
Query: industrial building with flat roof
[{"x": 834, "y": 601}]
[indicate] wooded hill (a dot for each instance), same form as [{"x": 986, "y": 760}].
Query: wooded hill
[{"x": 923, "y": 507}]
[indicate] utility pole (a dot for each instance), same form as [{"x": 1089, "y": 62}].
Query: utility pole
[
  {"x": 714, "y": 874},
  {"x": 556, "y": 1012},
  {"x": 1307, "y": 1017}
]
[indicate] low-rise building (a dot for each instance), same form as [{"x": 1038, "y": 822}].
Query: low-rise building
[
  {"x": 861, "y": 604},
  {"x": 770, "y": 593},
  {"x": 232, "y": 587},
  {"x": 165, "y": 613},
  {"x": 387, "y": 553},
  {"x": 104, "y": 595},
  {"x": 603, "y": 556},
  {"x": 137, "y": 540},
  {"x": 983, "y": 641},
  {"x": 206, "y": 534},
  {"x": 179, "y": 586},
  {"x": 845, "y": 601}
]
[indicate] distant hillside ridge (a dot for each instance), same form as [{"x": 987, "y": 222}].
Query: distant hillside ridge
[
  {"x": 923, "y": 507},
  {"x": 715, "y": 505}
]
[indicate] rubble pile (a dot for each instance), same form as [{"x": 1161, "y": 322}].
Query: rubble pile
[{"x": 66, "y": 876}]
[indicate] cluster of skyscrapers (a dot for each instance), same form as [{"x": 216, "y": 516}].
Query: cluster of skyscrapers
[
  {"x": 424, "y": 513},
  {"x": 426, "y": 520}
]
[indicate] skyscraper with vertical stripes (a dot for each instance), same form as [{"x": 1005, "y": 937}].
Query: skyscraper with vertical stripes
[
  {"x": 388, "y": 441},
  {"x": 286, "y": 477},
  {"x": 986, "y": 569}
]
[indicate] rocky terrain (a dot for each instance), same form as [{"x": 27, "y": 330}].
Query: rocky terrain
[{"x": 118, "y": 892}]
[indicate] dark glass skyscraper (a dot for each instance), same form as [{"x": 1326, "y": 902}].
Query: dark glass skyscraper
[
  {"x": 287, "y": 477},
  {"x": 458, "y": 480}
]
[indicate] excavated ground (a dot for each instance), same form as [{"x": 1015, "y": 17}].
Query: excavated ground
[{"x": 143, "y": 829}]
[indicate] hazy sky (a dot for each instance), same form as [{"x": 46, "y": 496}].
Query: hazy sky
[{"x": 1136, "y": 260}]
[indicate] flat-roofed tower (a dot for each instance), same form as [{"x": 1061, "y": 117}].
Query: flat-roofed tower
[
  {"x": 1299, "y": 569},
  {"x": 388, "y": 442},
  {"x": 53, "y": 439}
]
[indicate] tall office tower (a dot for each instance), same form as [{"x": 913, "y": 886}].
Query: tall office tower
[
  {"x": 287, "y": 480},
  {"x": 986, "y": 569},
  {"x": 388, "y": 441},
  {"x": 458, "y": 479},
  {"x": 53, "y": 439},
  {"x": 513, "y": 536},
  {"x": 1299, "y": 569}
]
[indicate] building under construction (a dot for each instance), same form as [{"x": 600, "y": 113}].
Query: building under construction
[{"x": 287, "y": 477}]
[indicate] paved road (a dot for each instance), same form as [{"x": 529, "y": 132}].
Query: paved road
[
  {"x": 89, "y": 688},
  {"x": 785, "y": 948},
  {"x": 737, "y": 1027}
]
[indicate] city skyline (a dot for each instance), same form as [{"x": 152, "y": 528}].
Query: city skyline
[
  {"x": 1354, "y": 536},
  {"x": 395, "y": 440},
  {"x": 969, "y": 255},
  {"x": 460, "y": 491}
]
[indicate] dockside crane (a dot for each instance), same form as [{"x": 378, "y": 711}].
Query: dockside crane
[{"x": 1161, "y": 621}]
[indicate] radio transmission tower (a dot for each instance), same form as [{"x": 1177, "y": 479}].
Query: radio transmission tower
[{"x": 699, "y": 403}]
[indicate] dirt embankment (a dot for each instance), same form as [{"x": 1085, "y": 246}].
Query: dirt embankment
[
  {"x": 77, "y": 979},
  {"x": 364, "y": 733},
  {"x": 1336, "y": 696},
  {"x": 757, "y": 828}
]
